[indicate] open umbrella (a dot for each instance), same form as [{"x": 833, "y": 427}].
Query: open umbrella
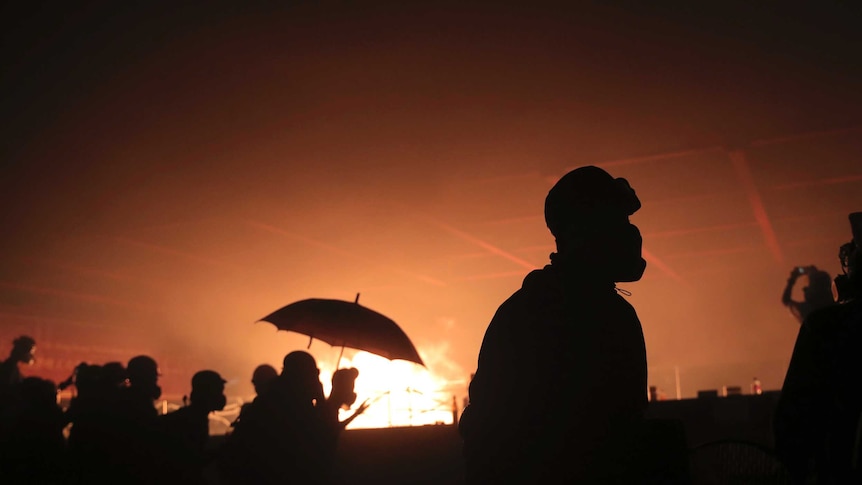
[{"x": 346, "y": 324}]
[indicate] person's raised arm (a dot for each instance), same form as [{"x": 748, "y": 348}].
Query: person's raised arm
[
  {"x": 786, "y": 296},
  {"x": 361, "y": 409}
]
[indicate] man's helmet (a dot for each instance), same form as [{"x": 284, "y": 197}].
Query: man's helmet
[{"x": 586, "y": 198}]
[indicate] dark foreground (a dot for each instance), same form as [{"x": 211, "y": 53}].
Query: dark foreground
[{"x": 742, "y": 425}]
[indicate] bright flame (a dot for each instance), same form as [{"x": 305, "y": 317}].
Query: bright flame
[{"x": 399, "y": 393}]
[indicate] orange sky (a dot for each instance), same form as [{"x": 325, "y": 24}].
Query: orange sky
[{"x": 171, "y": 176}]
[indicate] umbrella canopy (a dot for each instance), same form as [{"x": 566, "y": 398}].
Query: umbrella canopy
[{"x": 346, "y": 324}]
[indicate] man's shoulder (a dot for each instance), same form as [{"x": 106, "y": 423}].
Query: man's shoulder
[{"x": 538, "y": 285}]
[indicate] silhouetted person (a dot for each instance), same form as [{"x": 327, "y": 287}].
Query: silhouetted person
[
  {"x": 290, "y": 432},
  {"x": 32, "y": 449},
  {"x": 261, "y": 378},
  {"x": 138, "y": 398},
  {"x": 817, "y": 294},
  {"x": 342, "y": 395},
  {"x": 185, "y": 432},
  {"x": 23, "y": 350},
  {"x": 818, "y": 414},
  {"x": 115, "y": 375},
  {"x": 93, "y": 436},
  {"x": 561, "y": 384},
  {"x": 87, "y": 413},
  {"x": 135, "y": 419},
  {"x": 846, "y": 289}
]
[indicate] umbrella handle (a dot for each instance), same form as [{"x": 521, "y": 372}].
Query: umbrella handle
[{"x": 340, "y": 354}]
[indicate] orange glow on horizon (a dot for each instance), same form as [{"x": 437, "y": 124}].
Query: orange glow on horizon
[{"x": 399, "y": 393}]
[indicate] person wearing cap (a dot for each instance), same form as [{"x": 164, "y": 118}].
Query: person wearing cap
[
  {"x": 818, "y": 418},
  {"x": 561, "y": 382},
  {"x": 185, "y": 432}
]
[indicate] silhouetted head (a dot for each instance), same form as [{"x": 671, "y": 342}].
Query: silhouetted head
[
  {"x": 208, "y": 391},
  {"x": 299, "y": 363},
  {"x": 588, "y": 211},
  {"x": 343, "y": 384},
  {"x": 262, "y": 375},
  {"x": 89, "y": 379},
  {"x": 23, "y": 349},
  {"x": 144, "y": 374},
  {"x": 301, "y": 375},
  {"x": 115, "y": 374}
]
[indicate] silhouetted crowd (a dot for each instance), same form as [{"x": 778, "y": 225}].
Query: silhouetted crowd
[
  {"x": 559, "y": 395},
  {"x": 287, "y": 434}
]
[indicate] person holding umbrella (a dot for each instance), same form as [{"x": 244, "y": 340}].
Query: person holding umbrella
[
  {"x": 290, "y": 432},
  {"x": 561, "y": 385}
]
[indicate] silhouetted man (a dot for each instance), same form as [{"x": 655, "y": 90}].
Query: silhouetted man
[
  {"x": 23, "y": 350},
  {"x": 817, "y": 419},
  {"x": 561, "y": 384},
  {"x": 817, "y": 294},
  {"x": 143, "y": 389},
  {"x": 289, "y": 433},
  {"x": 185, "y": 432},
  {"x": 847, "y": 289},
  {"x": 135, "y": 417},
  {"x": 10, "y": 379},
  {"x": 262, "y": 377},
  {"x": 93, "y": 435},
  {"x": 115, "y": 376}
]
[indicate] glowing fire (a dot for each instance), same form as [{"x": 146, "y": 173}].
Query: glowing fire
[{"x": 399, "y": 393}]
